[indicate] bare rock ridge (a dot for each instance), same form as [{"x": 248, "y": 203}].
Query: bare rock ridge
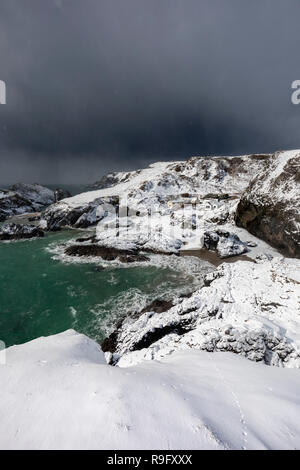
[{"x": 270, "y": 206}]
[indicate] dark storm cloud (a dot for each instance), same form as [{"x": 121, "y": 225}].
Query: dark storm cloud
[{"x": 94, "y": 85}]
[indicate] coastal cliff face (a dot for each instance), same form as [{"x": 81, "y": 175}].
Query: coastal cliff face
[{"x": 270, "y": 206}]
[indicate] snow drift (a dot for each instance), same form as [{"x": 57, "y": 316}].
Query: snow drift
[{"x": 58, "y": 393}]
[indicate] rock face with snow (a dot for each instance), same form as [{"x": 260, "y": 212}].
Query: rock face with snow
[
  {"x": 22, "y": 198},
  {"x": 251, "y": 309},
  {"x": 19, "y": 232},
  {"x": 270, "y": 206}
]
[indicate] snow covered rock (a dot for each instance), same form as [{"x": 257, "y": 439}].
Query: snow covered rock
[
  {"x": 18, "y": 232},
  {"x": 162, "y": 185},
  {"x": 270, "y": 206},
  {"x": 22, "y": 198},
  {"x": 58, "y": 393},
  {"x": 81, "y": 215},
  {"x": 224, "y": 243},
  {"x": 248, "y": 308},
  {"x": 106, "y": 253}
]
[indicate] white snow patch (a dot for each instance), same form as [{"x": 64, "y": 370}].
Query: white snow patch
[{"x": 58, "y": 393}]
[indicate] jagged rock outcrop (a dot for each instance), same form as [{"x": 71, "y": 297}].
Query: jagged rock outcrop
[
  {"x": 270, "y": 206},
  {"x": 19, "y": 232}
]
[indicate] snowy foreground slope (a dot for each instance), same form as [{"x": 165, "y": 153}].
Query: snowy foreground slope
[{"x": 58, "y": 393}]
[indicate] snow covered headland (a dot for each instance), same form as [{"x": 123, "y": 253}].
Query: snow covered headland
[{"x": 226, "y": 356}]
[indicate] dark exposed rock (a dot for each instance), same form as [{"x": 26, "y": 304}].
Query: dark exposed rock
[
  {"x": 270, "y": 206},
  {"x": 60, "y": 194},
  {"x": 98, "y": 269},
  {"x": 220, "y": 197},
  {"x": 211, "y": 240},
  {"x": 18, "y": 232},
  {"x": 158, "y": 306},
  {"x": 85, "y": 239},
  {"x": 106, "y": 253},
  {"x": 110, "y": 343},
  {"x": 58, "y": 215},
  {"x": 186, "y": 296},
  {"x": 178, "y": 328}
]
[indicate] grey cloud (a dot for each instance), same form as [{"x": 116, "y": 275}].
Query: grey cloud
[{"x": 94, "y": 85}]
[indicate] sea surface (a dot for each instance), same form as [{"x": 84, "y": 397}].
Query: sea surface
[{"x": 40, "y": 295}]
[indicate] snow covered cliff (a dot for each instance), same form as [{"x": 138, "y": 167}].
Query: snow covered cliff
[{"x": 270, "y": 206}]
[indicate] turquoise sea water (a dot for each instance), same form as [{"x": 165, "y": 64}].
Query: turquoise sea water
[{"x": 41, "y": 296}]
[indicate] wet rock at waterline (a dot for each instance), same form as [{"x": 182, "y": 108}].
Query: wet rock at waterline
[{"x": 106, "y": 253}]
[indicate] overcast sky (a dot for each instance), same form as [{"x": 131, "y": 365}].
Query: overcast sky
[{"x": 99, "y": 85}]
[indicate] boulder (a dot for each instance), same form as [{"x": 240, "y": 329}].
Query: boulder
[
  {"x": 226, "y": 244},
  {"x": 60, "y": 194}
]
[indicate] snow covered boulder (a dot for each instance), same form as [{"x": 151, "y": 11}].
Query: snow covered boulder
[
  {"x": 224, "y": 243},
  {"x": 270, "y": 206},
  {"x": 18, "y": 232}
]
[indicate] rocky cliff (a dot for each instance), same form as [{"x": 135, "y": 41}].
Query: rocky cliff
[{"x": 270, "y": 206}]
